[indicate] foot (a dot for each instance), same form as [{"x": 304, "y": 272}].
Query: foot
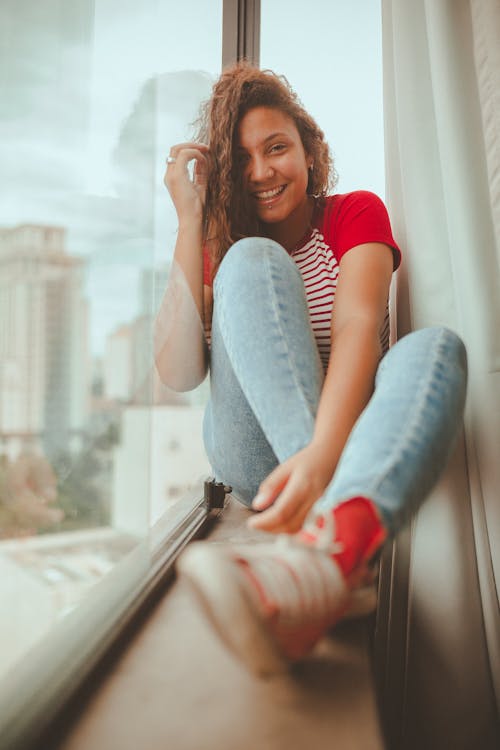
[
  {"x": 272, "y": 602},
  {"x": 357, "y": 522}
]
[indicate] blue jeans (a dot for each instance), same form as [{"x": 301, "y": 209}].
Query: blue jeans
[{"x": 266, "y": 379}]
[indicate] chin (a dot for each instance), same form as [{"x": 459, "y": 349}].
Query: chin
[{"x": 273, "y": 217}]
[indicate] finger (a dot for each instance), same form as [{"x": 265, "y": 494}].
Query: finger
[
  {"x": 200, "y": 172},
  {"x": 296, "y": 522},
  {"x": 270, "y": 488},
  {"x": 179, "y": 168},
  {"x": 177, "y": 172},
  {"x": 291, "y": 526},
  {"x": 273, "y": 484},
  {"x": 186, "y": 155},
  {"x": 178, "y": 147},
  {"x": 188, "y": 144},
  {"x": 270, "y": 520},
  {"x": 283, "y": 509}
]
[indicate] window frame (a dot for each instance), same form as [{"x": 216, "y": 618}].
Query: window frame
[{"x": 241, "y": 31}]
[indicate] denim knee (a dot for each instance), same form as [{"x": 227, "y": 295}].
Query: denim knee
[
  {"x": 451, "y": 343},
  {"x": 427, "y": 337},
  {"x": 439, "y": 341},
  {"x": 245, "y": 261},
  {"x": 452, "y": 355}
]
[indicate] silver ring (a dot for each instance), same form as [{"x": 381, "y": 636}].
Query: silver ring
[{"x": 170, "y": 160}]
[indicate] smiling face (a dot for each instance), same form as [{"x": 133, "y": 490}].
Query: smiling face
[{"x": 275, "y": 171}]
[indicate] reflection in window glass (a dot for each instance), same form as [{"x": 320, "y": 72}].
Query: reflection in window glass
[
  {"x": 93, "y": 448},
  {"x": 332, "y": 56}
]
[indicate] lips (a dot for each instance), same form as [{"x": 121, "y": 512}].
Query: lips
[{"x": 264, "y": 196}]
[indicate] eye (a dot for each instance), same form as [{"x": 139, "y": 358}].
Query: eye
[{"x": 277, "y": 148}]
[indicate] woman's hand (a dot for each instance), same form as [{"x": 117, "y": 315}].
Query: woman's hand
[
  {"x": 291, "y": 490},
  {"x": 188, "y": 195}
]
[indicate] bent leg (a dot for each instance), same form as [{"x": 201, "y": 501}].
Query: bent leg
[
  {"x": 266, "y": 373},
  {"x": 402, "y": 440},
  {"x": 236, "y": 446}
]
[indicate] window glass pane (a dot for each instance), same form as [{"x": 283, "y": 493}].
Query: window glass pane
[
  {"x": 331, "y": 53},
  {"x": 92, "y": 448}
]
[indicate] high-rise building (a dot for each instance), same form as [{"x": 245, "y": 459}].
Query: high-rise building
[
  {"x": 129, "y": 371},
  {"x": 153, "y": 282},
  {"x": 118, "y": 364},
  {"x": 44, "y": 368}
]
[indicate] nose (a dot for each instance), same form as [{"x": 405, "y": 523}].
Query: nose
[{"x": 259, "y": 169}]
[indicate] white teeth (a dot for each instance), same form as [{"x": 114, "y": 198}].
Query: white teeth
[{"x": 269, "y": 193}]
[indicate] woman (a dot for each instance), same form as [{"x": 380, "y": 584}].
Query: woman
[{"x": 333, "y": 440}]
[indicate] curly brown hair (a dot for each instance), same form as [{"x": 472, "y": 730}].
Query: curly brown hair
[{"x": 240, "y": 88}]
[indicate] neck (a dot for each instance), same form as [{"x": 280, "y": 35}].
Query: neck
[{"x": 290, "y": 231}]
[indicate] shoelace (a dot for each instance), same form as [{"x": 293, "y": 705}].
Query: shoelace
[
  {"x": 325, "y": 537},
  {"x": 300, "y": 581}
]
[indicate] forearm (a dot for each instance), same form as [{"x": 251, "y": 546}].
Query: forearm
[
  {"x": 347, "y": 388},
  {"x": 188, "y": 255},
  {"x": 180, "y": 348}
]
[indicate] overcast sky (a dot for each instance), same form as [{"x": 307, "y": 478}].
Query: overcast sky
[{"x": 95, "y": 91}]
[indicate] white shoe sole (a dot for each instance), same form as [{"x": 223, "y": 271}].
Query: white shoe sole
[{"x": 216, "y": 586}]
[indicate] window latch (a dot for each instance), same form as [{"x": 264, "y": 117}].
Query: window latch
[{"x": 215, "y": 494}]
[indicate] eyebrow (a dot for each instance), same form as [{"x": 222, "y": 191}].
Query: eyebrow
[
  {"x": 275, "y": 135},
  {"x": 270, "y": 137}
]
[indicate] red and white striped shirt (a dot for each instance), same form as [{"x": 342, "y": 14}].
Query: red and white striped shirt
[{"x": 339, "y": 223}]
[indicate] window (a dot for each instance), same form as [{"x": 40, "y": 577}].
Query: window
[
  {"x": 324, "y": 52},
  {"x": 93, "y": 449}
]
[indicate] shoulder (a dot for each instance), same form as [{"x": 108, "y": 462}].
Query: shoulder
[
  {"x": 356, "y": 200},
  {"x": 356, "y": 218}
]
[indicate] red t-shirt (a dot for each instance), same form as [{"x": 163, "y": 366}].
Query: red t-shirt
[{"x": 342, "y": 222}]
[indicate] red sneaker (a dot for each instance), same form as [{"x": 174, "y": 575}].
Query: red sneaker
[
  {"x": 357, "y": 526},
  {"x": 272, "y": 602},
  {"x": 358, "y": 523}
]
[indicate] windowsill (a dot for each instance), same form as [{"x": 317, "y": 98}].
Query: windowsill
[{"x": 173, "y": 684}]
